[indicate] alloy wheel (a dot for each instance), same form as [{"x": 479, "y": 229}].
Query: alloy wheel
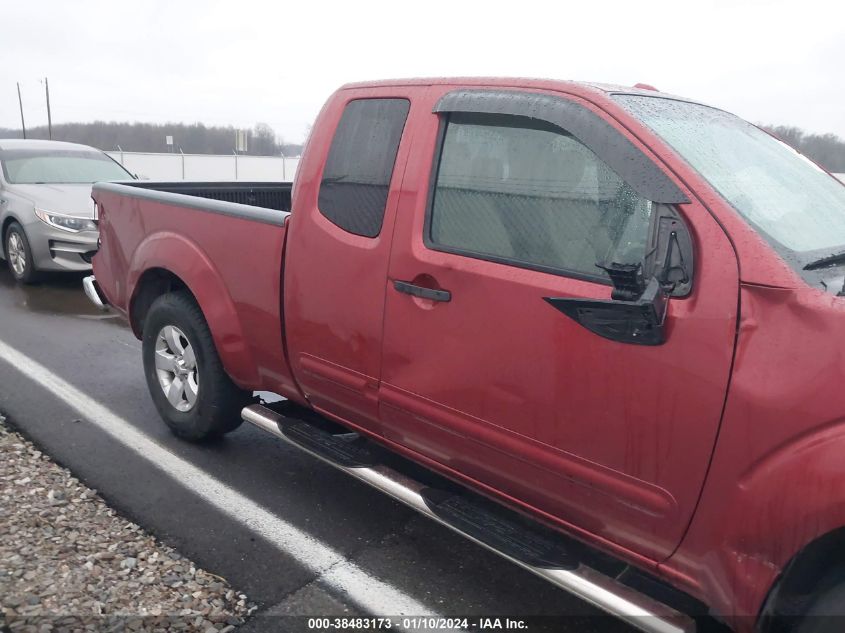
[
  {"x": 16, "y": 253},
  {"x": 176, "y": 368}
]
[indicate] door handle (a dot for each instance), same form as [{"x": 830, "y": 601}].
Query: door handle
[{"x": 422, "y": 292}]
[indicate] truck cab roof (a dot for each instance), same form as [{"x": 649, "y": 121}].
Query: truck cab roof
[{"x": 577, "y": 87}]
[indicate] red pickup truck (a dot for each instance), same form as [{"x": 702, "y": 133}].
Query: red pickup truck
[{"x": 606, "y": 320}]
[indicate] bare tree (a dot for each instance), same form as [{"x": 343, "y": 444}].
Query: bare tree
[
  {"x": 828, "y": 150},
  {"x": 193, "y": 138}
]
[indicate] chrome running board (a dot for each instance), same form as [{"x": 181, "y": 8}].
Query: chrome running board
[{"x": 603, "y": 592}]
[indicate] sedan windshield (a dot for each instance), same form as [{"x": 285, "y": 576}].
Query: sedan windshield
[
  {"x": 784, "y": 195},
  {"x": 42, "y": 166}
]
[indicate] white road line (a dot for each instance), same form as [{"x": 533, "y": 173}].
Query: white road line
[{"x": 370, "y": 594}]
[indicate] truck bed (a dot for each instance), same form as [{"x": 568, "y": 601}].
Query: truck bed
[{"x": 224, "y": 241}]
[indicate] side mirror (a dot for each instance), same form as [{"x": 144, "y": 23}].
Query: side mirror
[
  {"x": 636, "y": 311},
  {"x": 635, "y": 314},
  {"x": 670, "y": 253}
]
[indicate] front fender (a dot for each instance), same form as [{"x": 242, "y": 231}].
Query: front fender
[
  {"x": 777, "y": 479},
  {"x": 787, "y": 500},
  {"x": 179, "y": 255}
]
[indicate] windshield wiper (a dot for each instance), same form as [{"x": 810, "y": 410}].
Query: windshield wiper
[{"x": 827, "y": 260}]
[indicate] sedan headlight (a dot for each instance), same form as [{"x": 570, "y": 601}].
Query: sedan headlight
[{"x": 66, "y": 222}]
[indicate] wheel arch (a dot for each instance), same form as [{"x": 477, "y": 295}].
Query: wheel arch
[
  {"x": 152, "y": 284},
  {"x": 787, "y": 523},
  {"x": 168, "y": 262},
  {"x": 807, "y": 572},
  {"x": 7, "y": 222}
]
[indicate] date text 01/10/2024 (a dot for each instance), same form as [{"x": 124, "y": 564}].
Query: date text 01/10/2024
[{"x": 416, "y": 623}]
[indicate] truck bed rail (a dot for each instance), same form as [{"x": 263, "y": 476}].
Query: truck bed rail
[
  {"x": 268, "y": 203},
  {"x": 269, "y": 195}
]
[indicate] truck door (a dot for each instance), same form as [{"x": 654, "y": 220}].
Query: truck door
[
  {"x": 483, "y": 375},
  {"x": 337, "y": 255}
]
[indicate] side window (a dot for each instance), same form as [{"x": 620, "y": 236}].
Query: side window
[
  {"x": 356, "y": 179},
  {"x": 522, "y": 191}
]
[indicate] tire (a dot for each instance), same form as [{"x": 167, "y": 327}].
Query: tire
[
  {"x": 826, "y": 610},
  {"x": 19, "y": 255},
  {"x": 204, "y": 404}
]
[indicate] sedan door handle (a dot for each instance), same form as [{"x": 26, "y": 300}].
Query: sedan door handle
[{"x": 422, "y": 292}]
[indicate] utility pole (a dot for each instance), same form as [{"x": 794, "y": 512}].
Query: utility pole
[
  {"x": 49, "y": 118},
  {"x": 20, "y": 103}
]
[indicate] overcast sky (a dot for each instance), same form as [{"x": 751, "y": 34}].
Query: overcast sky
[{"x": 243, "y": 62}]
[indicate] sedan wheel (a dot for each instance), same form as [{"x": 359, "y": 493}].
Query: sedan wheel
[
  {"x": 176, "y": 368},
  {"x": 17, "y": 253}
]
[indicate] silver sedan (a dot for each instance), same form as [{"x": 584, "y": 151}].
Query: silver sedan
[{"x": 47, "y": 217}]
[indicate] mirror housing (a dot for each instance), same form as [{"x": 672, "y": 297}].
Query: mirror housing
[
  {"x": 670, "y": 255},
  {"x": 636, "y": 322},
  {"x": 636, "y": 311}
]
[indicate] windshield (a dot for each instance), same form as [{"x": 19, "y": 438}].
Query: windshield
[
  {"x": 41, "y": 166},
  {"x": 780, "y": 192}
]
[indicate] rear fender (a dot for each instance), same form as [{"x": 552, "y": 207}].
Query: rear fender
[{"x": 184, "y": 258}]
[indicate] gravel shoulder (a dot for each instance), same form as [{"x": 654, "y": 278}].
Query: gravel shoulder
[{"x": 68, "y": 562}]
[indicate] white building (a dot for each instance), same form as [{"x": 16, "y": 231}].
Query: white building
[{"x": 208, "y": 167}]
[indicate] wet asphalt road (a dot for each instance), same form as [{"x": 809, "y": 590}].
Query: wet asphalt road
[{"x": 54, "y": 324}]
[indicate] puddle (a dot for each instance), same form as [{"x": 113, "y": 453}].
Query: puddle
[
  {"x": 62, "y": 294},
  {"x": 268, "y": 397},
  {"x": 55, "y": 294}
]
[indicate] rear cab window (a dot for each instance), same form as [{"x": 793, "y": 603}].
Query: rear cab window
[{"x": 356, "y": 178}]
